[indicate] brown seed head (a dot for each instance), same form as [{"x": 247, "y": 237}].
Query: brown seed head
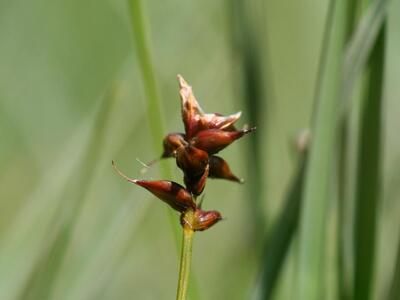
[
  {"x": 191, "y": 160},
  {"x": 201, "y": 220},
  {"x": 170, "y": 192},
  {"x": 171, "y": 143},
  {"x": 214, "y": 140},
  {"x": 219, "y": 168},
  {"x": 196, "y": 185}
]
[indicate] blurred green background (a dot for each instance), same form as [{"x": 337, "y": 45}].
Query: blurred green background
[{"x": 72, "y": 99}]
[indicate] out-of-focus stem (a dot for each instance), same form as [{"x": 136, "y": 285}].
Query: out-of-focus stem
[{"x": 142, "y": 47}]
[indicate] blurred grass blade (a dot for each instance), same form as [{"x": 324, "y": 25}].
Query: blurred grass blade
[
  {"x": 142, "y": 46},
  {"x": 360, "y": 45},
  {"x": 345, "y": 166},
  {"x": 154, "y": 114},
  {"x": 313, "y": 221},
  {"x": 33, "y": 230},
  {"x": 84, "y": 275},
  {"x": 279, "y": 240},
  {"x": 100, "y": 267},
  {"x": 246, "y": 41},
  {"x": 48, "y": 268},
  {"x": 394, "y": 291},
  {"x": 357, "y": 52},
  {"x": 369, "y": 173}
]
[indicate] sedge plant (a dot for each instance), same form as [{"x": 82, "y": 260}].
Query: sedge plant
[{"x": 195, "y": 151}]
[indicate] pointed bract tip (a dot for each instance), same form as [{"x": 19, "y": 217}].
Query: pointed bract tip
[
  {"x": 182, "y": 81},
  {"x": 122, "y": 174},
  {"x": 248, "y": 130}
]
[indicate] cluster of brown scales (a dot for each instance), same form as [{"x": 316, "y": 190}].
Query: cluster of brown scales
[{"x": 195, "y": 151}]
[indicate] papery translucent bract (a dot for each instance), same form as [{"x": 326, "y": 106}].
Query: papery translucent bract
[
  {"x": 218, "y": 121},
  {"x": 193, "y": 117},
  {"x": 191, "y": 110}
]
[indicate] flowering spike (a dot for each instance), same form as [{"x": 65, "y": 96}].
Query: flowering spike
[
  {"x": 191, "y": 160},
  {"x": 168, "y": 191},
  {"x": 191, "y": 110},
  {"x": 171, "y": 143},
  {"x": 219, "y": 168},
  {"x": 196, "y": 185},
  {"x": 201, "y": 219},
  {"x": 214, "y": 140}
]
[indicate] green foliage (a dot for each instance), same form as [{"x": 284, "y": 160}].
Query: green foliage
[{"x": 71, "y": 229}]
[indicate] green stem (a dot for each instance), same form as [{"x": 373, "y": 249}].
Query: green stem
[
  {"x": 142, "y": 47},
  {"x": 186, "y": 259},
  {"x": 154, "y": 111}
]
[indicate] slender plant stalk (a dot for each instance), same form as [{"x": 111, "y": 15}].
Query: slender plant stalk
[
  {"x": 186, "y": 260},
  {"x": 154, "y": 112}
]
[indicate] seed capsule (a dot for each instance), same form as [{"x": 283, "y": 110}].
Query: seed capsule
[
  {"x": 171, "y": 143},
  {"x": 201, "y": 219},
  {"x": 196, "y": 185},
  {"x": 219, "y": 168},
  {"x": 191, "y": 160},
  {"x": 214, "y": 140},
  {"x": 170, "y": 192}
]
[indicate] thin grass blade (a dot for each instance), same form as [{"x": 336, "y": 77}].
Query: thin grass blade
[
  {"x": 247, "y": 44},
  {"x": 313, "y": 221},
  {"x": 369, "y": 173},
  {"x": 394, "y": 291},
  {"x": 33, "y": 230},
  {"x": 279, "y": 240},
  {"x": 360, "y": 46}
]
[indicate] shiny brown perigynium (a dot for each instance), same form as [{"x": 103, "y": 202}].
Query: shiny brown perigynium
[{"x": 194, "y": 151}]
